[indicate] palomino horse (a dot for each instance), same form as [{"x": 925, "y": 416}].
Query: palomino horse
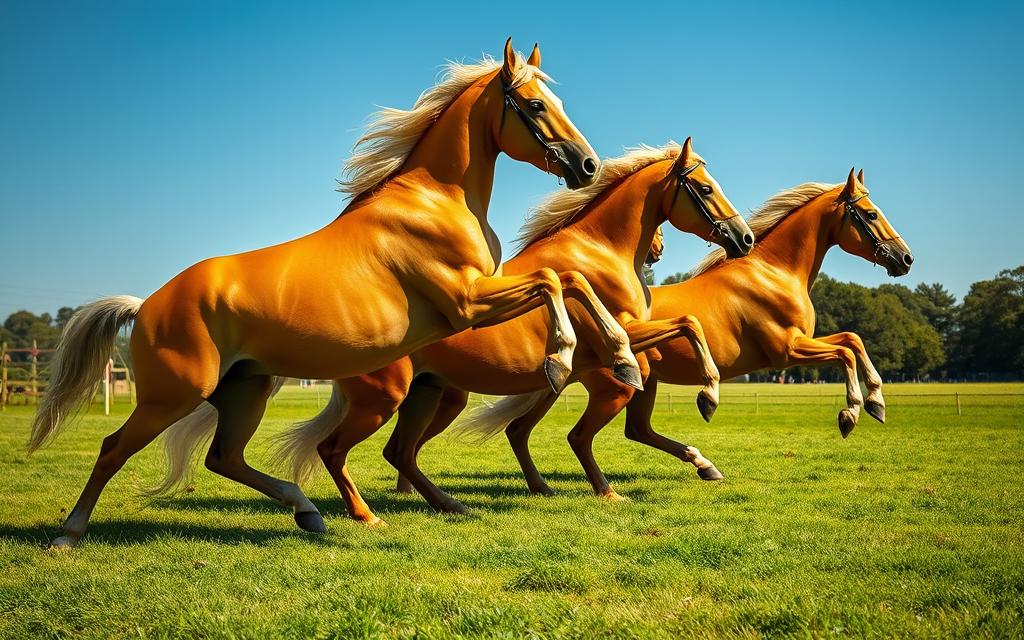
[
  {"x": 605, "y": 231},
  {"x": 757, "y": 313},
  {"x": 411, "y": 259}
]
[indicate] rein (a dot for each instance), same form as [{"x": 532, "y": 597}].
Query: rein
[
  {"x": 717, "y": 226},
  {"x": 531, "y": 126}
]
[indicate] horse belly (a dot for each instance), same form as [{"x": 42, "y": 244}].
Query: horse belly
[{"x": 505, "y": 359}]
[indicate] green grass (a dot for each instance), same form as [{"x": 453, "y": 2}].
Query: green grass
[{"x": 913, "y": 528}]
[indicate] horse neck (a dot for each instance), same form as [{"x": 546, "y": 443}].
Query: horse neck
[
  {"x": 457, "y": 154},
  {"x": 625, "y": 217},
  {"x": 799, "y": 242}
]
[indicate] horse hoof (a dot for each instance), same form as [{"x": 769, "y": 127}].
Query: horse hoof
[
  {"x": 706, "y": 406},
  {"x": 709, "y": 473},
  {"x": 310, "y": 521},
  {"x": 62, "y": 543},
  {"x": 612, "y": 496},
  {"x": 876, "y": 410},
  {"x": 542, "y": 490},
  {"x": 847, "y": 422},
  {"x": 627, "y": 373},
  {"x": 453, "y": 506},
  {"x": 557, "y": 373},
  {"x": 374, "y": 522}
]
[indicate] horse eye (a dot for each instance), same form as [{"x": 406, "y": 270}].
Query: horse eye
[
  {"x": 537, "y": 105},
  {"x": 872, "y": 215},
  {"x": 706, "y": 189}
]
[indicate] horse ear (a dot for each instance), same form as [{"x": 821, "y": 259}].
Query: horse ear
[
  {"x": 851, "y": 186},
  {"x": 860, "y": 177},
  {"x": 684, "y": 155},
  {"x": 509, "y": 66},
  {"x": 534, "y": 59}
]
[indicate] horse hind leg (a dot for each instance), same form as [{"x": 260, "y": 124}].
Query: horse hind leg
[
  {"x": 453, "y": 402},
  {"x": 147, "y": 421},
  {"x": 241, "y": 402}
]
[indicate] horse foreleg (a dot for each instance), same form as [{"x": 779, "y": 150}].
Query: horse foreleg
[
  {"x": 241, "y": 402},
  {"x": 414, "y": 416},
  {"x": 874, "y": 403},
  {"x": 453, "y": 402},
  {"x": 639, "y": 429},
  {"x": 495, "y": 299},
  {"x": 518, "y": 433},
  {"x": 615, "y": 340},
  {"x": 804, "y": 351},
  {"x": 645, "y": 334}
]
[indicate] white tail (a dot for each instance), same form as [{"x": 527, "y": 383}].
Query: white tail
[
  {"x": 490, "y": 418},
  {"x": 78, "y": 363},
  {"x": 183, "y": 441},
  {"x": 296, "y": 447}
]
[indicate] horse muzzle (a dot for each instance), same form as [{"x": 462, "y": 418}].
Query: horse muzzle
[
  {"x": 579, "y": 166},
  {"x": 898, "y": 260},
  {"x": 737, "y": 238}
]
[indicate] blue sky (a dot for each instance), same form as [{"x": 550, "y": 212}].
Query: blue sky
[{"x": 141, "y": 137}]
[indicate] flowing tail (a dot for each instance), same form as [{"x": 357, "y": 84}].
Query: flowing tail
[
  {"x": 296, "y": 447},
  {"x": 490, "y": 418},
  {"x": 184, "y": 440},
  {"x": 82, "y": 354}
]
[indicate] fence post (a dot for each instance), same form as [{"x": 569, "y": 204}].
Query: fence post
[
  {"x": 3, "y": 376},
  {"x": 106, "y": 386},
  {"x": 957, "y": 394},
  {"x": 565, "y": 402},
  {"x": 34, "y": 371},
  {"x": 757, "y": 407},
  {"x": 671, "y": 409}
]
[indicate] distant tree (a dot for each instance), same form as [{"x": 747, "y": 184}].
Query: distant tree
[
  {"x": 648, "y": 274},
  {"x": 991, "y": 323},
  {"x": 675, "y": 277},
  {"x": 63, "y": 315}
]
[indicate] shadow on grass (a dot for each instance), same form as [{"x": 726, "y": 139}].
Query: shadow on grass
[{"x": 140, "y": 531}]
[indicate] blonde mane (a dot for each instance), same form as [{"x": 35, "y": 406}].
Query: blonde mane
[
  {"x": 391, "y": 134},
  {"x": 561, "y": 207},
  {"x": 774, "y": 210}
]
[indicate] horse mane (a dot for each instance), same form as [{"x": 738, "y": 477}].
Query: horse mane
[
  {"x": 558, "y": 209},
  {"x": 768, "y": 216},
  {"x": 391, "y": 134}
]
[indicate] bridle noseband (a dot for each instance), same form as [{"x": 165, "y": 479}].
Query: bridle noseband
[
  {"x": 531, "y": 126},
  {"x": 881, "y": 247},
  {"x": 718, "y": 227}
]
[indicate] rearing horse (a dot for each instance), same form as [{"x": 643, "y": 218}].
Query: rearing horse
[
  {"x": 605, "y": 231},
  {"x": 410, "y": 260},
  {"x": 757, "y": 313}
]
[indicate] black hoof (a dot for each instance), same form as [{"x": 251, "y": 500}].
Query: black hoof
[
  {"x": 557, "y": 373},
  {"x": 876, "y": 410},
  {"x": 706, "y": 406},
  {"x": 709, "y": 473},
  {"x": 628, "y": 374},
  {"x": 846, "y": 422},
  {"x": 310, "y": 521}
]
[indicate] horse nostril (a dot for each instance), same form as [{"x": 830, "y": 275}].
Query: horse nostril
[
  {"x": 748, "y": 239},
  {"x": 589, "y": 167},
  {"x": 908, "y": 259}
]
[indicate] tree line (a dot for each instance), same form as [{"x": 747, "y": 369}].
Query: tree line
[{"x": 922, "y": 333}]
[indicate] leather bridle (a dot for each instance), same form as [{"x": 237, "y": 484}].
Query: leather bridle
[
  {"x": 718, "y": 226},
  {"x": 881, "y": 247},
  {"x": 531, "y": 126}
]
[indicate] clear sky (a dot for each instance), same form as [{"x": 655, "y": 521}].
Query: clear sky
[{"x": 137, "y": 138}]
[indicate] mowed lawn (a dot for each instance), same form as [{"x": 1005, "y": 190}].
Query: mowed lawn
[{"x": 912, "y": 528}]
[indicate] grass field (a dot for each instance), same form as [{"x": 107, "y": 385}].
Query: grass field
[{"x": 913, "y": 528}]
